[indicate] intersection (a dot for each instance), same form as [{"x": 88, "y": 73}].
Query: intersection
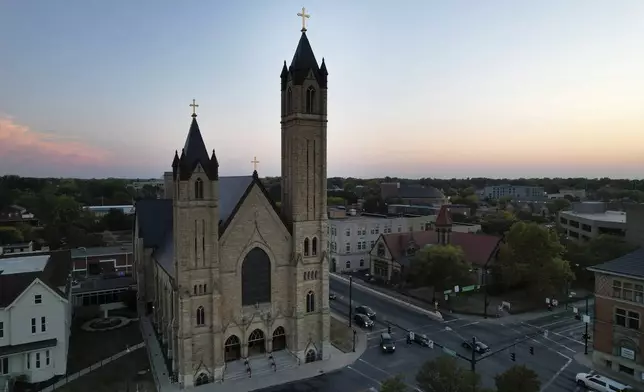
[{"x": 553, "y": 358}]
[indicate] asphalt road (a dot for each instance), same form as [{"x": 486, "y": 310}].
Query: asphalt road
[{"x": 552, "y": 360}]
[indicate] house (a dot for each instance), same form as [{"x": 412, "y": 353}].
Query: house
[
  {"x": 618, "y": 328},
  {"x": 35, "y": 315},
  {"x": 393, "y": 253},
  {"x": 15, "y": 214},
  {"x": 101, "y": 211},
  {"x": 25, "y": 247}
]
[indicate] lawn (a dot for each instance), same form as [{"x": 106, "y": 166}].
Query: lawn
[{"x": 341, "y": 335}]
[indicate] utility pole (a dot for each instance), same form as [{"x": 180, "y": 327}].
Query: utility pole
[
  {"x": 350, "y": 300},
  {"x": 473, "y": 363},
  {"x": 586, "y": 334},
  {"x": 484, "y": 281}
]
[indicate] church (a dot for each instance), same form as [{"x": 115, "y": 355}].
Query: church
[{"x": 225, "y": 274}]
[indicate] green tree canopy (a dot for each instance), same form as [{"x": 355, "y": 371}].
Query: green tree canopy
[
  {"x": 497, "y": 224},
  {"x": 394, "y": 384},
  {"x": 518, "y": 378},
  {"x": 116, "y": 220},
  {"x": 10, "y": 235},
  {"x": 445, "y": 374},
  {"x": 440, "y": 266},
  {"x": 557, "y": 205},
  {"x": 532, "y": 257},
  {"x": 335, "y": 201}
]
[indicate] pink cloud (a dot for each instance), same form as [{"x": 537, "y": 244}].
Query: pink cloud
[{"x": 23, "y": 147}]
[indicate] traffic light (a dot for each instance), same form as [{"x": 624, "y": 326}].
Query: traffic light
[
  {"x": 513, "y": 356},
  {"x": 531, "y": 350},
  {"x": 389, "y": 329}
]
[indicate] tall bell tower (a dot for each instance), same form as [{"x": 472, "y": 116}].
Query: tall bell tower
[{"x": 304, "y": 176}]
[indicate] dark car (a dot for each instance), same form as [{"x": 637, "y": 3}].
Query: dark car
[
  {"x": 387, "y": 344},
  {"x": 366, "y": 311},
  {"x": 332, "y": 296},
  {"x": 479, "y": 347},
  {"x": 423, "y": 340},
  {"x": 363, "y": 321}
]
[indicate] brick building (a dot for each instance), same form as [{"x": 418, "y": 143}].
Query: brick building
[
  {"x": 619, "y": 315},
  {"x": 102, "y": 261}
]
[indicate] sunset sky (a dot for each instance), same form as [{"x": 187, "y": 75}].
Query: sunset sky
[{"x": 514, "y": 88}]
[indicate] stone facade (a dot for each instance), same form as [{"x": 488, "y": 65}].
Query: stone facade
[{"x": 200, "y": 296}]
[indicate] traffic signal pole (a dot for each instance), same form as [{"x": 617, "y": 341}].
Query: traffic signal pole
[
  {"x": 586, "y": 334},
  {"x": 350, "y": 300}
]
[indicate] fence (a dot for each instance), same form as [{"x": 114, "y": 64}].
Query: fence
[{"x": 71, "y": 377}]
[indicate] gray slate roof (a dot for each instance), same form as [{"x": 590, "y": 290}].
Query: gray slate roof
[
  {"x": 81, "y": 253},
  {"x": 155, "y": 218},
  {"x": 630, "y": 264}
]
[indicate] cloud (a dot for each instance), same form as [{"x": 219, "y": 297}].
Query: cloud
[{"x": 23, "y": 151}]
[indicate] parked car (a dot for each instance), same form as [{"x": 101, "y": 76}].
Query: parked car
[
  {"x": 479, "y": 347},
  {"x": 363, "y": 321},
  {"x": 387, "y": 344},
  {"x": 366, "y": 311},
  {"x": 598, "y": 383}
]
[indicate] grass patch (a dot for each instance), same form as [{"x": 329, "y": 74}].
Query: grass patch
[{"x": 341, "y": 335}]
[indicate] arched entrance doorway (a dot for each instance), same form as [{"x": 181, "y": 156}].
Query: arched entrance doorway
[
  {"x": 201, "y": 379},
  {"x": 232, "y": 349},
  {"x": 310, "y": 356},
  {"x": 256, "y": 343},
  {"x": 279, "y": 339}
]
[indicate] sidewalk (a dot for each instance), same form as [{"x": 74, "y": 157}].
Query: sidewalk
[
  {"x": 514, "y": 318},
  {"x": 157, "y": 362}
]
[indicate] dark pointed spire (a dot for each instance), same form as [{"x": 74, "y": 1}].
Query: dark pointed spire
[
  {"x": 323, "y": 70},
  {"x": 304, "y": 62},
  {"x": 175, "y": 165},
  {"x": 194, "y": 152},
  {"x": 284, "y": 76},
  {"x": 255, "y": 175}
]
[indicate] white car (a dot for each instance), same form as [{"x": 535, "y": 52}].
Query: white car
[{"x": 598, "y": 383}]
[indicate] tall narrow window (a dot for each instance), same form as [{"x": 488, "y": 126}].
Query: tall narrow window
[
  {"x": 310, "y": 99},
  {"x": 306, "y": 247},
  {"x": 203, "y": 241},
  {"x": 289, "y": 101},
  {"x": 310, "y": 302},
  {"x": 43, "y": 324},
  {"x": 47, "y": 358},
  {"x": 314, "y": 247},
  {"x": 201, "y": 317},
  {"x": 33, "y": 325},
  {"x": 194, "y": 290},
  {"x": 196, "y": 254},
  {"x": 198, "y": 189}
]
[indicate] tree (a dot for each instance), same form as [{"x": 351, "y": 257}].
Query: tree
[
  {"x": 335, "y": 201},
  {"x": 532, "y": 257},
  {"x": 497, "y": 224},
  {"x": 518, "y": 378},
  {"x": 557, "y": 205},
  {"x": 10, "y": 235},
  {"x": 446, "y": 375},
  {"x": 440, "y": 266},
  {"x": 394, "y": 384},
  {"x": 116, "y": 220}
]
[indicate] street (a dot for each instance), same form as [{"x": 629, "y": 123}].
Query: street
[{"x": 552, "y": 360}]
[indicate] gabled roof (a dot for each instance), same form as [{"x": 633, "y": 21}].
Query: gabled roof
[
  {"x": 55, "y": 274},
  {"x": 194, "y": 152},
  {"x": 444, "y": 217},
  {"x": 631, "y": 264},
  {"x": 478, "y": 248}
]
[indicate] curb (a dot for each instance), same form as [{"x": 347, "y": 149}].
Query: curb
[{"x": 435, "y": 315}]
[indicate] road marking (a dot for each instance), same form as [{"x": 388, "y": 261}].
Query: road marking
[
  {"x": 364, "y": 375},
  {"x": 556, "y": 333},
  {"x": 386, "y": 372},
  {"x": 556, "y": 375}
]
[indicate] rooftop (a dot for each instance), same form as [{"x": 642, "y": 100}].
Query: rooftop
[
  {"x": 607, "y": 216},
  {"x": 101, "y": 251},
  {"x": 24, "y": 264},
  {"x": 370, "y": 216},
  {"x": 631, "y": 264}
]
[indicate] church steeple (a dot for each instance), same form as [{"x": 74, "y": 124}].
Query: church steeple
[
  {"x": 194, "y": 152},
  {"x": 303, "y": 63},
  {"x": 444, "y": 225}
]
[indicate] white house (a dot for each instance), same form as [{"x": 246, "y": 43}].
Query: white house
[{"x": 35, "y": 315}]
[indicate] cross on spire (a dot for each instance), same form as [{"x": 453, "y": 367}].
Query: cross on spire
[
  {"x": 254, "y": 162},
  {"x": 304, "y": 17},
  {"x": 194, "y": 107}
]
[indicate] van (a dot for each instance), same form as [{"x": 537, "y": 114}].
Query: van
[{"x": 599, "y": 383}]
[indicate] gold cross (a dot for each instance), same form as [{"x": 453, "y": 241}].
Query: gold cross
[
  {"x": 194, "y": 108},
  {"x": 254, "y": 162},
  {"x": 304, "y": 17}
]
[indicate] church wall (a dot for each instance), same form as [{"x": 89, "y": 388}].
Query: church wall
[{"x": 256, "y": 225}]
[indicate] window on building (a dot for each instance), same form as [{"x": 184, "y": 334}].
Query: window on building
[
  {"x": 314, "y": 246},
  {"x": 4, "y": 365},
  {"x": 347, "y": 264},
  {"x": 37, "y": 360},
  {"x": 1, "y": 329},
  {"x": 628, "y": 291},
  {"x": 377, "y": 229},
  {"x": 33, "y": 325},
  {"x": 310, "y": 302},
  {"x": 627, "y": 318},
  {"x": 37, "y": 299},
  {"x": 198, "y": 189},
  {"x": 47, "y": 358},
  {"x": 28, "y": 360},
  {"x": 348, "y": 247},
  {"x": 43, "y": 324},
  {"x": 201, "y": 317},
  {"x": 371, "y": 244},
  {"x": 310, "y": 100},
  {"x": 194, "y": 290},
  {"x": 361, "y": 262},
  {"x": 306, "y": 247},
  {"x": 347, "y": 232},
  {"x": 399, "y": 229}
]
